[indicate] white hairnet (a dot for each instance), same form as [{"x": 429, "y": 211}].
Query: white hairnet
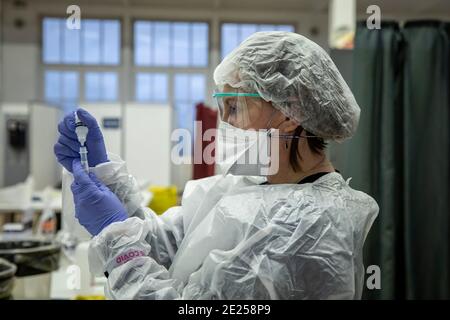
[{"x": 298, "y": 77}]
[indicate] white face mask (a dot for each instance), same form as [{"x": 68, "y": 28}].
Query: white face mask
[{"x": 247, "y": 152}]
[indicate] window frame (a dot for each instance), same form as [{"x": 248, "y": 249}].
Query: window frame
[
  {"x": 169, "y": 70},
  {"x": 257, "y": 22},
  {"x": 80, "y": 68}
]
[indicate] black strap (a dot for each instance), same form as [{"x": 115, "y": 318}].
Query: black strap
[{"x": 311, "y": 178}]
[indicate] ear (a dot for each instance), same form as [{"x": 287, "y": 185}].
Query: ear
[{"x": 288, "y": 126}]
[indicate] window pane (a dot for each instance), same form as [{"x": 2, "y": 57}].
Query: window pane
[
  {"x": 70, "y": 86},
  {"x": 61, "y": 86},
  {"x": 185, "y": 115},
  {"x": 233, "y": 34},
  {"x": 143, "y": 87},
  {"x": 142, "y": 43},
  {"x": 92, "y": 86},
  {"x": 189, "y": 90},
  {"x": 246, "y": 31},
  {"x": 180, "y": 44},
  {"x": 91, "y": 41},
  {"x": 160, "y": 87},
  {"x": 287, "y": 28},
  {"x": 161, "y": 34},
  {"x": 52, "y": 85},
  {"x": 152, "y": 87},
  {"x": 51, "y": 40},
  {"x": 97, "y": 42},
  {"x": 229, "y": 38},
  {"x": 266, "y": 27},
  {"x": 71, "y": 45},
  {"x": 109, "y": 86},
  {"x": 184, "y": 120},
  {"x": 180, "y": 48},
  {"x": 197, "y": 88},
  {"x": 199, "y": 52},
  {"x": 68, "y": 106},
  {"x": 182, "y": 87},
  {"x": 101, "y": 86},
  {"x": 111, "y": 42}
]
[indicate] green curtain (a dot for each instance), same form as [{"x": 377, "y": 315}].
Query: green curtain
[
  {"x": 375, "y": 152},
  {"x": 400, "y": 154},
  {"x": 427, "y": 135}
]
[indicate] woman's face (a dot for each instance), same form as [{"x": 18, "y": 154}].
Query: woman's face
[{"x": 247, "y": 112}]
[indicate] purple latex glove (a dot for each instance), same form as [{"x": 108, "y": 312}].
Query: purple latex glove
[
  {"x": 96, "y": 206},
  {"x": 67, "y": 147}
]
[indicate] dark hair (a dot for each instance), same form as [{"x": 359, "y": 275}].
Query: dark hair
[{"x": 316, "y": 144}]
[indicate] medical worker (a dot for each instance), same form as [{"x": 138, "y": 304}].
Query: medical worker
[{"x": 297, "y": 233}]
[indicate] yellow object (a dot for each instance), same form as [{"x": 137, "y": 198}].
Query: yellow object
[
  {"x": 81, "y": 297},
  {"x": 163, "y": 198}
]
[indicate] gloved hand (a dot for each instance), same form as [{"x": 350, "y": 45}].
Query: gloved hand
[
  {"x": 96, "y": 206},
  {"x": 67, "y": 147}
]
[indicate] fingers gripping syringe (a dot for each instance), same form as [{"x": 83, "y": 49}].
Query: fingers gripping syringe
[{"x": 82, "y": 130}]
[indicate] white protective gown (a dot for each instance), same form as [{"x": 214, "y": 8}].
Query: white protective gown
[{"x": 233, "y": 238}]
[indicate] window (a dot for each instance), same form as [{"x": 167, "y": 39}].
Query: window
[
  {"x": 69, "y": 57},
  {"x": 96, "y": 42},
  {"x": 172, "y": 57},
  {"x": 176, "y": 44},
  {"x": 61, "y": 87},
  {"x": 232, "y": 34},
  {"x": 152, "y": 87},
  {"x": 100, "y": 86},
  {"x": 189, "y": 90}
]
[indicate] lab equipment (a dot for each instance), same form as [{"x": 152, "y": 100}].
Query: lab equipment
[
  {"x": 35, "y": 260},
  {"x": 95, "y": 205},
  {"x": 83, "y": 158},
  {"x": 31, "y": 256},
  {"x": 16, "y": 148},
  {"x": 298, "y": 77},
  {"x": 233, "y": 238},
  {"x": 163, "y": 198},
  {"x": 47, "y": 221},
  {"x": 82, "y": 131},
  {"x": 18, "y": 195},
  {"x": 67, "y": 147},
  {"x": 7, "y": 271}
]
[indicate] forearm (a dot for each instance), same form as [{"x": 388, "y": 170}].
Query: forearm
[
  {"x": 122, "y": 253},
  {"x": 166, "y": 230},
  {"x": 115, "y": 176}
]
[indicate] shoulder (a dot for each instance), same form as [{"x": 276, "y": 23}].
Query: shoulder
[
  {"x": 220, "y": 182},
  {"x": 328, "y": 210},
  {"x": 332, "y": 191}
]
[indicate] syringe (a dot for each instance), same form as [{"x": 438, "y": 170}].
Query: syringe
[{"x": 81, "y": 130}]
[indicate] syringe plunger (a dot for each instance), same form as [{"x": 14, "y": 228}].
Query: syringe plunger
[{"x": 83, "y": 159}]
